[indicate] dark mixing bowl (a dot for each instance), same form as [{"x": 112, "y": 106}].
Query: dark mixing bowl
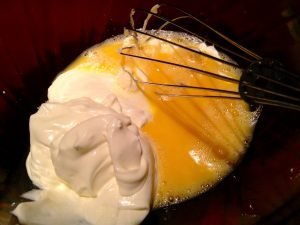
[{"x": 39, "y": 38}]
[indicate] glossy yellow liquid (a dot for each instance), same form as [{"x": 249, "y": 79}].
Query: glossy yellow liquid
[{"x": 197, "y": 140}]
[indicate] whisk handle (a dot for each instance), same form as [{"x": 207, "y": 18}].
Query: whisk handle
[{"x": 266, "y": 82}]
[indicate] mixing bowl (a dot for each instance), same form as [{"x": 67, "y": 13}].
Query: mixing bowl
[{"x": 39, "y": 38}]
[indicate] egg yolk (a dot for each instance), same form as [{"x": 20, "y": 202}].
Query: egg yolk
[{"x": 197, "y": 140}]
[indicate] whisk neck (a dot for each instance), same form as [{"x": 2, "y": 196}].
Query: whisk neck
[{"x": 267, "y": 82}]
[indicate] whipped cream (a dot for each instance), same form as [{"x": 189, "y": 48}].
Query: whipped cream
[{"x": 88, "y": 158}]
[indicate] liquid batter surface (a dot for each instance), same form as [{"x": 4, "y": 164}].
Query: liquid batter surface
[{"x": 197, "y": 140}]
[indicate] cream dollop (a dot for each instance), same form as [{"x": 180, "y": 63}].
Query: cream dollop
[{"x": 91, "y": 163}]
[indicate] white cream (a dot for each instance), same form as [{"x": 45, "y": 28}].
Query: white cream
[
  {"x": 101, "y": 87},
  {"x": 87, "y": 156}
]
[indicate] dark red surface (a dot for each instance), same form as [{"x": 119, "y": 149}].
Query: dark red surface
[{"x": 39, "y": 38}]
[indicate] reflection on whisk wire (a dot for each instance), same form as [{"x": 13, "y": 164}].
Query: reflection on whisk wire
[{"x": 263, "y": 82}]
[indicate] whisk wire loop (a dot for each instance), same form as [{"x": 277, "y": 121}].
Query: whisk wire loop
[
  {"x": 247, "y": 51},
  {"x": 263, "y": 81},
  {"x": 211, "y": 74},
  {"x": 186, "y": 48},
  {"x": 227, "y": 50}
]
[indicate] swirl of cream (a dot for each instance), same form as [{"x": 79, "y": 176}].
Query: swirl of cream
[
  {"x": 93, "y": 150},
  {"x": 82, "y": 162}
]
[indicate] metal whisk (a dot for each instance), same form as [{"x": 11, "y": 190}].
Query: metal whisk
[{"x": 263, "y": 81}]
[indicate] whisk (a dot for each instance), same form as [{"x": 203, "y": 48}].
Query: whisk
[{"x": 263, "y": 81}]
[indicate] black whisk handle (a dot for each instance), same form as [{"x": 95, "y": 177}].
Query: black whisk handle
[{"x": 266, "y": 82}]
